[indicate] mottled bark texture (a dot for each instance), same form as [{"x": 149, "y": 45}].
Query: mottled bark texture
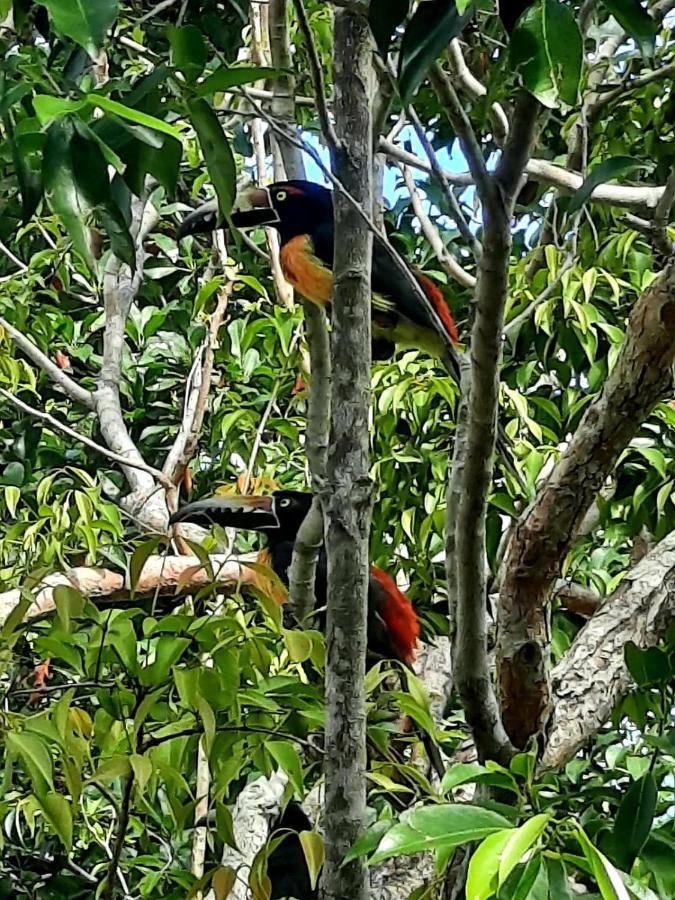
[
  {"x": 591, "y": 678},
  {"x": 470, "y": 487},
  {"x": 346, "y": 498},
  {"x": 641, "y": 376}
]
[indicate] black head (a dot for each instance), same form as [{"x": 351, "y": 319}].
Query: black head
[
  {"x": 293, "y": 207},
  {"x": 280, "y": 513}
]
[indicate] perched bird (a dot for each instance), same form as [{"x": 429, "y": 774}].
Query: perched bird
[
  {"x": 286, "y": 865},
  {"x": 302, "y": 212},
  {"x": 393, "y": 626}
]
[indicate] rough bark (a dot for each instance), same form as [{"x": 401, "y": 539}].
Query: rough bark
[
  {"x": 469, "y": 491},
  {"x": 641, "y": 377},
  {"x": 592, "y": 677},
  {"x": 346, "y": 498}
]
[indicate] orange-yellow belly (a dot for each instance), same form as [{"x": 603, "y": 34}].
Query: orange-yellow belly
[{"x": 305, "y": 272}]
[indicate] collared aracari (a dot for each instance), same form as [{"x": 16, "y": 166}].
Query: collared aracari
[
  {"x": 393, "y": 626},
  {"x": 302, "y": 212}
]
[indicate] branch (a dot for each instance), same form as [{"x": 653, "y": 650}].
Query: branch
[
  {"x": 122, "y": 826},
  {"x": 197, "y": 394},
  {"x": 346, "y": 498},
  {"x": 53, "y": 372},
  {"x": 620, "y": 92},
  {"x": 470, "y": 664},
  {"x": 283, "y": 96},
  {"x": 592, "y": 678},
  {"x": 83, "y": 439},
  {"x": 316, "y": 72},
  {"x": 641, "y": 376},
  {"x": 473, "y": 87},
  {"x": 432, "y": 234},
  {"x": 660, "y": 236},
  {"x": 178, "y": 575}
]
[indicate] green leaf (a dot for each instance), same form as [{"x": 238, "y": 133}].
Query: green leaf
[
  {"x": 168, "y": 651},
  {"x": 659, "y": 857},
  {"x": 85, "y": 21},
  {"x": 533, "y": 882},
  {"x": 481, "y": 882},
  {"x": 608, "y": 879},
  {"x": 133, "y": 115},
  {"x": 12, "y": 497},
  {"x": 139, "y": 558},
  {"x": 286, "y": 756},
  {"x": 461, "y": 773},
  {"x": 48, "y": 108},
  {"x": 35, "y": 759},
  {"x": 112, "y": 769},
  {"x": 224, "y": 879},
  {"x": 634, "y": 820},
  {"x": 142, "y": 769},
  {"x": 217, "y": 153},
  {"x": 315, "y": 853},
  {"x": 637, "y": 21},
  {"x": 384, "y": 17},
  {"x": 519, "y": 843},
  {"x": 188, "y": 50},
  {"x": 649, "y": 666},
  {"x": 58, "y": 813},
  {"x": 14, "y": 473},
  {"x": 62, "y": 191},
  {"x": 557, "y": 879},
  {"x": 69, "y": 604},
  {"x": 546, "y": 49},
  {"x": 227, "y": 77},
  {"x": 432, "y": 27},
  {"x": 606, "y": 171},
  {"x": 439, "y": 827}
]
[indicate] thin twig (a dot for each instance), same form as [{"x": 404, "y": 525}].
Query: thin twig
[
  {"x": 15, "y": 259},
  {"x": 57, "y": 375},
  {"x": 316, "y": 72},
  {"x": 122, "y": 825},
  {"x": 542, "y": 297},
  {"x": 432, "y": 234},
  {"x": 66, "y": 429},
  {"x": 661, "y": 215}
]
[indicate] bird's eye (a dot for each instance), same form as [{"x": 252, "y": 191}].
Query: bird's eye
[
  {"x": 285, "y": 502},
  {"x": 281, "y": 196}
]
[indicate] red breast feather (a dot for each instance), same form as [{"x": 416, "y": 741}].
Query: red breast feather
[
  {"x": 399, "y": 617},
  {"x": 438, "y": 300}
]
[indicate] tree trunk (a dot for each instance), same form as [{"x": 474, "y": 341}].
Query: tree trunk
[{"x": 346, "y": 499}]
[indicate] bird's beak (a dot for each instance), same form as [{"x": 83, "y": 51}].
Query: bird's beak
[
  {"x": 252, "y": 208},
  {"x": 246, "y": 512}
]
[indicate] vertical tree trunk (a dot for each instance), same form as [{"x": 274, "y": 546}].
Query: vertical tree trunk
[{"x": 347, "y": 497}]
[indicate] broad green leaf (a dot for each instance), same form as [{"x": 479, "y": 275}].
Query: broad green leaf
[
  {"x": 227, "y": 77},
  {"x": 286, "y": 757},
  {"x": 14, "y": 473},
  {"x": 648, "y": 666},
  {"x": 659, "y": 857},
  {"x": 49, "y": 108},
  {"x": 546, "y": 49},
  {"x": 519, "y": 843},
  {"x": 634, "y": 820},
  {"x": 437, "y": 827},
  {"x": 434, "y": 24},
  {"x": 69, "y": 604},
  {"x": 58, "y": 813},
  {"x": 533, "y": 882},
  {"x": 481, "y": 882},
  {"x": 634, "y": 17},
  {"x": 369, "y": 840},
  {"x": 35, "y": 759},
  {"x": 612, "y": 168},
  {"x": 12, "y": 497},
  {"x": 188, "y": 50},
  {"x": 557, "y": 879},
  {"x": 299, "y": 646},
  {"x": 133, "y": 115},
  {"x": 168, "y": 651},
  {"x": 384, "y": 17},
  {"x": 607, "y": 877},
  {"x": 112, "y": 769},
  {"x": 139, "y": 558},
  {"x": 217, "y": 153},
  {"x": 62, "y": 191},
  {"x": 142, "y": 769},
  {"x": 461, "y": 773},
  {"x": 85, "y": 21},
  {"x": 315, "y": 853}
]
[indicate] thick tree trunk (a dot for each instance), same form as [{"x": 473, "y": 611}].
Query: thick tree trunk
[
  {"x": 642, "y": 375},
  {"x": 347, "y": 496}
]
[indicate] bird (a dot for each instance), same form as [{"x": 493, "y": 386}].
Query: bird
[
  {"x": 302, "y": 212},
  {"x": 286, "y": 865},
  {"x": 393, "y": 625}
]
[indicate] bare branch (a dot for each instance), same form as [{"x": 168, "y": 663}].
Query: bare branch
[
  {"x": 623, "y": 90},
  {"x": 283, "y": 96},
  {"x": 471, "y": 667},
  {"x": 54, "y": 373},
  {"x": 431, "y": 233},
  {"x": 83, "y": 439},
  {"x": 459, "y": 120},
  {"x": 576, "y": 599},
  {"x": 661, "y": 238},
  {"x": 473, "y": 87},
  {"x": 641, "y": 376},
  {"x": 316, "y": 71},
  {"x": 592, "y": 676}
]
